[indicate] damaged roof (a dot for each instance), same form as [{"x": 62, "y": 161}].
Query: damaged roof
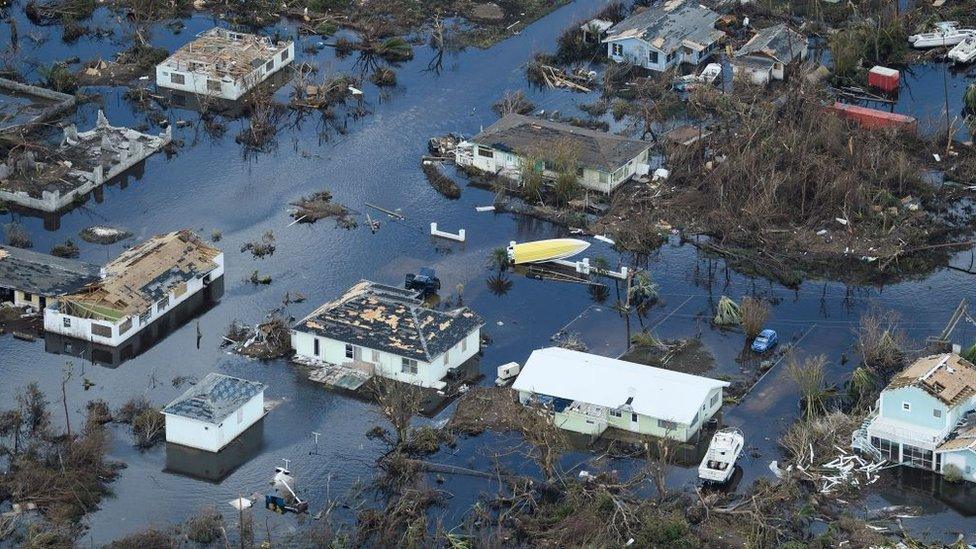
[
  {"x": 214, "y": 398},
  {"x": 43, "y": 274},
  {"x": 143, "y": 274},
  {"x": 779, "y": 43},
  {"x": 669, "y": 26},
  {"x": 220, "y": 52},
  {"x": 947, "y": 377},
  {"x": 516, "y": 133},
  {"x": 393, "y": 320}
]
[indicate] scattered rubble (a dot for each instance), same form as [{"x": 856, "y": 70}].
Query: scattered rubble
[
  {"x": 319, "y": 205},
  {"x": 103, "y": 234}
]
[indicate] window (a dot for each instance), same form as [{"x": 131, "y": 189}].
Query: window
[
  {"x": 349, "y": 351},
  {"x": 144, "y": 317},
  {"x": 162, "y": 304},
  {"x": 445, "y": 359},
  {"x": 694, "y": 420},
  {"x": 315, "y": 346},
  {"x": 240, "y": 416},
  {"x": 486, "y": 152},
  {"x": 177, "y": 78},
  {"x": 917, "y": 457},
  {"x": 376, "y": 356},
  {"x": 67, "y": 322},
  {"x": 408, "y": 366},
  {"x": 937, "y": 412},
  {"x": 617, "y": 49},
  {"x": 464, "y": 345},
  {"x": 284, "y": 55},
  {"x": 667, "y": 425},
  {"x": 633, "y": 417},
  {"x": 101, "y": 330},
  {"x": 269, "y": 65},
  {"x": 906, "y": 406},
  {"x": 213, "y": 85},
  {"x": 124, "y": 327},
  {"x": 616, "y": 413},
  {"x": 653, "y": 57},
  {"x": 714, "y": 400},
  {"x": 888, "y": 449}
]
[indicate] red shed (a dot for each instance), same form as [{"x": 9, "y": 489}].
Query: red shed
[
  {"x": 883, "y": 78},
  {"x": 872, "y": 118}
]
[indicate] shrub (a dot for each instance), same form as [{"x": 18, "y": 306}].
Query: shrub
[
  {"x": 754, "y": 312},
  {"x": 951, "y": 473}
]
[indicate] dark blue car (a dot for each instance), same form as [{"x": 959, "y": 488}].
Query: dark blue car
[{"x": 766, "y": 340}]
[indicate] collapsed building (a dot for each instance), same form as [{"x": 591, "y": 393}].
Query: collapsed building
[
  {"x": 84, "y": 161},
  {"x": 140, "y": 286},
  {"x": 223, "y": 63}
]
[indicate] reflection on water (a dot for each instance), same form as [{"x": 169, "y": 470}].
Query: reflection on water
[
  {"x": 916, "y": 487},
  {"x": 215, "y": 466}
]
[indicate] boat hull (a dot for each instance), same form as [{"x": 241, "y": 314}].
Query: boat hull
[{"x": 546, "y": 250}]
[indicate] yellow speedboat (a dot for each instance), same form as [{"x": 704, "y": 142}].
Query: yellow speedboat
[{"x": 545, "y": 250}]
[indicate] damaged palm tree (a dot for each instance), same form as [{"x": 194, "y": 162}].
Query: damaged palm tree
[
  {"x": 262, "y": 122},
  {"x": 727, "y": 312}
]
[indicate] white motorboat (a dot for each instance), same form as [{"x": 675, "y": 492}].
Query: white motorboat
[
  {"x": 719, "y": 462},
  {"x": 946, "y": 33},
  {"x": 965, "y": 51},
  {"x": 710, "y": 73}
]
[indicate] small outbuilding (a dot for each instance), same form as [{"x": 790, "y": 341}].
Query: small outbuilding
[
  {"x": 214, "y": 412},
  {"x": 767, "y": 54},
  {"x": 589, "y": 393}
]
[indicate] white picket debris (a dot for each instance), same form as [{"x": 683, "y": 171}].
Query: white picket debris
[{"x": 847, "y": 469}]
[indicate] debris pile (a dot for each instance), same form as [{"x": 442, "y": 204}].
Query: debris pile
[
  {"x": 103, "y": 234},
  {"x": 845, "y": 471},
  {"x": 319, "y": 205}
]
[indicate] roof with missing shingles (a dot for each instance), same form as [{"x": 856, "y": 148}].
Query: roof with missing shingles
[
  {"x": 393, "y": 320},
  {"x": 519, "y": 134},
  {"x": 670, "y": 26},
  {"x": 779, "y": 43},
  {"x": 947, "y": 377},
  {"x": 214, "y": 398},
  {"x": 43, "y": 274}
]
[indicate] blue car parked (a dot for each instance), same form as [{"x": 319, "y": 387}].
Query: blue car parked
[{"x": 766, "y": 340}]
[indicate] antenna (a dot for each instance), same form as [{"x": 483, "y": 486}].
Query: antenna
[{"x": 316, "y": 450}]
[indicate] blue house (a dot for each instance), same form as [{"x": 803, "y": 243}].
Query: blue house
[
  {"x": 926, "y": 417},
  {"x": 664, "y": 36}
]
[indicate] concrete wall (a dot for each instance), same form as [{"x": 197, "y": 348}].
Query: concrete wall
[
  {"x": 212, "y": 437},
  {"x": 81, "y": 328},
  {"x": 383, "y": 363},
  {"x": 229, "y": 87}
]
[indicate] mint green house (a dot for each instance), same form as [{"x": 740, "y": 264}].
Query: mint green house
[
  {"x": 589, "y": 393},
  {"x": 926, "y": 417}
]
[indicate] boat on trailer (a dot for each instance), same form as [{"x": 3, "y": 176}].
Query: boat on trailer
[
  {"x": 946, "y": 33},
  {"x": 964, "y": 52},
  {"x": 718, "y": 465}
]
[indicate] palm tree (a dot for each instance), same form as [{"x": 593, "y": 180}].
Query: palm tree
[
  {"x": 643, "y": 290},
  {"x": 498, "y": 259}
]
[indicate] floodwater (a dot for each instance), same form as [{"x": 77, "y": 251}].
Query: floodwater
[{"x": 210, "y": 184}]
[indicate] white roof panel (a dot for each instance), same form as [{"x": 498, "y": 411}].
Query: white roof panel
[{"x": 595, "y": 379}]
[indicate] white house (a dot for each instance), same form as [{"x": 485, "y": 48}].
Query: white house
[
  {"x": 664, "y": 36},
  {"x": 214, "y": 412},
  {"x": 604, "y": 160},
  {"x": 387, "y": 331},
  {"x": 139, "y": 286},
  {"x": 33, "y": 279},
  {"x": 767, "y": 54},
  {"x": 223, "y": 63},
  {"x": 926, "y": 417},
  {"x": 588, "y": 393}
]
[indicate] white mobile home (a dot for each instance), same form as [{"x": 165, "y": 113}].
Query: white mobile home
[
  {"x": 665, "y": 36},
  {"x": 141, "y": 285},
  {"x": 214, "y": 412},
  {"x": 767, "y": 54},
  {"x": 223, "y": 63},
  {"x": 604, "y": 160},
  {"x": 387, "y": 331},
  {"x": 588, "y": 393}
]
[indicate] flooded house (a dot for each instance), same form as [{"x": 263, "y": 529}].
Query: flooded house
[
  {"x": 604, "y": 160},
  {"x": 766, "y": 55},
  {"x": 140, "y": 286},
  {"x": 664, "y": 36},
  {"x": 588, "y": 394},
  {"x": 381, "y": 330},
  {"x": 214, "y": 412},
  {"x": 32, "y": 279},
  {"x": 56, "y": 179},
  {"x": 926, "y": 417},
  {"x": 223, "y": 63}
]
